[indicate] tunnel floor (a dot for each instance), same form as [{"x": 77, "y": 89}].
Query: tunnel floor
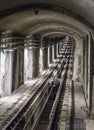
[
  {"x": 73, "y": 111},
  {"x": 9, "y": 105},
  {"x": 77, "y": 110},
  {"x": 74, "y": 114}
]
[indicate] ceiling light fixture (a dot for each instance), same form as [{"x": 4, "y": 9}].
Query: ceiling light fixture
[{"x": 36, "y": 12}]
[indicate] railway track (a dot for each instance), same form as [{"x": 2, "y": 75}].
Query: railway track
[
  {"x": 17, "y": 113},
  {"x": 50, "y": 113}
]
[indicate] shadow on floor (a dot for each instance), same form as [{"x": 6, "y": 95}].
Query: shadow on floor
[{"x": 73, "y": 123}]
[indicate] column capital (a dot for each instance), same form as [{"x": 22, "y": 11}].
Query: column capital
[
  {"x": 34, "y": 40},
  {"x": 11, "y": 39},
  {"x": 51, "y": 41},
  {"x": 45, "y": 42}
]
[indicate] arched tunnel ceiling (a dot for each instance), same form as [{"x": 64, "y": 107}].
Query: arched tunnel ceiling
[
  {"x": 84, "y": 8},
  {"x": 57, "y": 34},
  {"x": 28, "y": 22},
  {"x": 22, "y": 18},
  {"x": 48, "y": 27}
]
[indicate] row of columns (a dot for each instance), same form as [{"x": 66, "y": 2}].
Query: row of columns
[
  {"x": 88, "y": 50},
  {"x": 38, "y": 57},
  {"x": 23, "y": 59},
  {"x": 11, "y": 63}
]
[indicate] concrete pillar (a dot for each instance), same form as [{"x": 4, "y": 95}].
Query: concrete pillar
[
  {"x": 57, "y": 47},
  {"x": 55, "y": 51},
  {"x": 35, "y": 62},
  {"x": 5, "y": 67},
  {"x": 18, "y": 68},
  {"x": 45, "y": 41},
  {"x": 60, "y": 46},
  {"x": 31, "y": 57},
  {"x": 89, "y": 87},
  {"x": 31, "y": 60},
  {"x": 45, "y": 58},
  {"x": 26, "y": 62},
  {"x": 85, "y": 65},
  {"x": 11, "y": 61},
  {"x": 52, "y": 48},
  {"x": 89, "y": 73},
  {"x": 78, "y": 60},
  {"x": 40, "y": 61},
  {"x": 6, "y": 73},
  {"x": 91, "y": 76},
  {"x": 1, "y": 91},
  {"x": 50, "y": 55},
  {"x": 21, "y": 66}
]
